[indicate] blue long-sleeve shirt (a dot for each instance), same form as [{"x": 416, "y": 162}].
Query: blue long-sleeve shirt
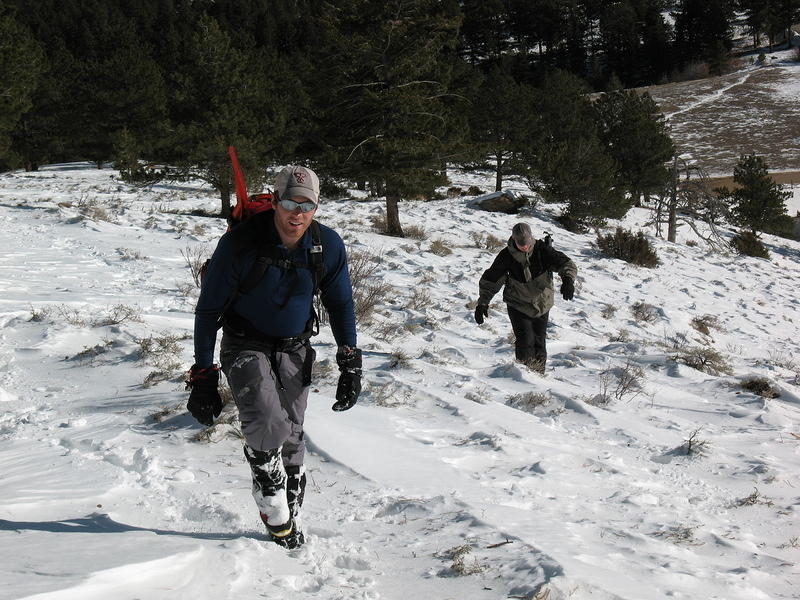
[{"x": 281, "y": 303}]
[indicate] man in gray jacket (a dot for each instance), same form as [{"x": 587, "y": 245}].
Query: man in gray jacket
[{"x": 525, "y": 267}]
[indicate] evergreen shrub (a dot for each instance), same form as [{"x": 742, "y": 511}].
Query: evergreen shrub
[
  {"x": 747, "y": 243},
  {"x": 628, "y": 246}
]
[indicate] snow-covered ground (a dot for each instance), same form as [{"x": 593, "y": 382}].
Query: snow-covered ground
[{"x": 458, "y": 475}]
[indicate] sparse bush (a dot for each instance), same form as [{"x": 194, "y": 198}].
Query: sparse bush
[
  {"x": 474, "y": 190},
  {"x": 691, "y": 243},
  {"x": 753, "y": 499},
  {"x": 632, "y": 248},
  {"x": 369, "y": 290},
  {"x": 608, "y": 311},
  {"x": 623, "y": 335},
  {"x": 161, "y": 351},
  {"x": 528, "y": 401},
  {"x": 87, "y": 355},
  {"x": 761, "y": 386},
  {"x": 705, "y": 323},
  {"x": 783, "y": 360},
  {"x": 644, "y": 312},
  {"x": 324, "y": 370},
  {"x": 71, "y": 315},
  {"x": 398, "y": 359},
  {"x": 90, "y": 209},
  {"x": 440, "y": 248},
  {"x": 420, "y": 299},
  {"x": 389, "y": 331},
  {"x": 415, "y": 233},
  {"x": 390, "y": 395},
  {"x": 128, "y": 254},
  {"x": 703, "y": 359},
  {"x": 748, "y": 243},
  {"x": 486, "y": 241},
  {"x": 679, "y": 535},
  {"x": 40, "y": 314},
  {"x": 157, "y": 376},
  {"x": 694, "y": 446},
  {"x": 166, "y": 411},
  {"x": 118, "y": 314},
  {"x": 460, "y": 567},
  {"x": 624, "y": 382},
  {"x": 185, "y": 289},
  {"x": 195, "y": 258},
  {"x": 480, "y": 396}
]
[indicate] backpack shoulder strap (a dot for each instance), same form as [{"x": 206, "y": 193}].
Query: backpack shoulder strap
[{"x": 316, "y": 255}]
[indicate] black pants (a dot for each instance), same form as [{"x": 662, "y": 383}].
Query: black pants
[{"x": 530, "y": 346}]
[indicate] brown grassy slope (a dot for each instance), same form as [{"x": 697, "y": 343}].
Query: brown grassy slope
[{"x": 754, "y": 110}]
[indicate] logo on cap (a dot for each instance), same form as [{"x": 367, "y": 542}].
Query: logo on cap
[{"x": 300, "y": 177}]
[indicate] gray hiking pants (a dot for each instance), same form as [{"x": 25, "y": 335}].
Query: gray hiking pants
[{"x": 267, "y": 385}]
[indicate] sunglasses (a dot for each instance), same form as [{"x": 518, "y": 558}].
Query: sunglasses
[{"x": 291, "y": 205}]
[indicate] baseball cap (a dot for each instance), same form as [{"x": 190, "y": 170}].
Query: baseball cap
[
  {"x": 297, "y": 181},
  {"x": 521, "y": 232}
]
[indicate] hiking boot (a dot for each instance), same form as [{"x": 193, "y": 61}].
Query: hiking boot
[
  {"x": 295, "y": 492},
  {"x": 286, "y": 535},
  {"x": 269, "y": 489},
  {"x": 295, "y": 489}
]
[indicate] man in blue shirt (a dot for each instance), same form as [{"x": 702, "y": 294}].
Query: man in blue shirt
[{"x": 260, "y": 287}]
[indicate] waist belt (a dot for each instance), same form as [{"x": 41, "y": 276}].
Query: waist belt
[{"x": 238, "y": 327}]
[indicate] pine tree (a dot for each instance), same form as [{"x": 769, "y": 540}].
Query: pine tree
[
  {"x": 497, "y": 110},
  {"x": 755, "y": 15},
  {"x": 758, "y": 203},
  {"x": 228, "y": 96},
  {"x": 122, "y": 89},
  {"x": 485, "y": 30},
  {"x": 565, "y": 161},
  {"x": 22, "y": 63},
  {"x": 621, "y": 44},
  {"x": 636, "y": 136},
  {"x": 704, "y": 31},
  {"x": 389, "y": 107}
]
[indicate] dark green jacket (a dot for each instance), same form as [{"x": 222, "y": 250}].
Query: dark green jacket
[{"x": 527, "y": 277}]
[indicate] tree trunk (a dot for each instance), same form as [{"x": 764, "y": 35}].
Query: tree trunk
[
  {"x": 225, "y": 197},
  {"x": 393, "y": 216},
  {"x": 498, "y": 180},
  {"x": 672, "y": 219}
]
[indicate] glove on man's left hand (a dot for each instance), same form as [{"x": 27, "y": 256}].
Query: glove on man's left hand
[
  {"x": 567, "y": 288},
  {"x": 204, "y": 402},
  {"x": 349, "y": 361}
]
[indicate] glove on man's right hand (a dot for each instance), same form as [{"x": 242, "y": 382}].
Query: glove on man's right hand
[
  {"x": 204, "y": 402},
  {"x": 349, "y": 387},
  {"x": 481, "y": 311}
]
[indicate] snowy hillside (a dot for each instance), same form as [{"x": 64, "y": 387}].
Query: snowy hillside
[{"x": 623, "y": 473}]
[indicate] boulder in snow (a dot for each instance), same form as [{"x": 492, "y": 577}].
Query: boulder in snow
[{"x": 504, "y": 201}]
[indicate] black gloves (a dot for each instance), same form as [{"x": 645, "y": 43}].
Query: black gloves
[
  {"x": 349, "y": 361},
  {"x": 567, "y": 288},
  {"x": 204, "y": 401},
  {"x": 481, "y": 311}
]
